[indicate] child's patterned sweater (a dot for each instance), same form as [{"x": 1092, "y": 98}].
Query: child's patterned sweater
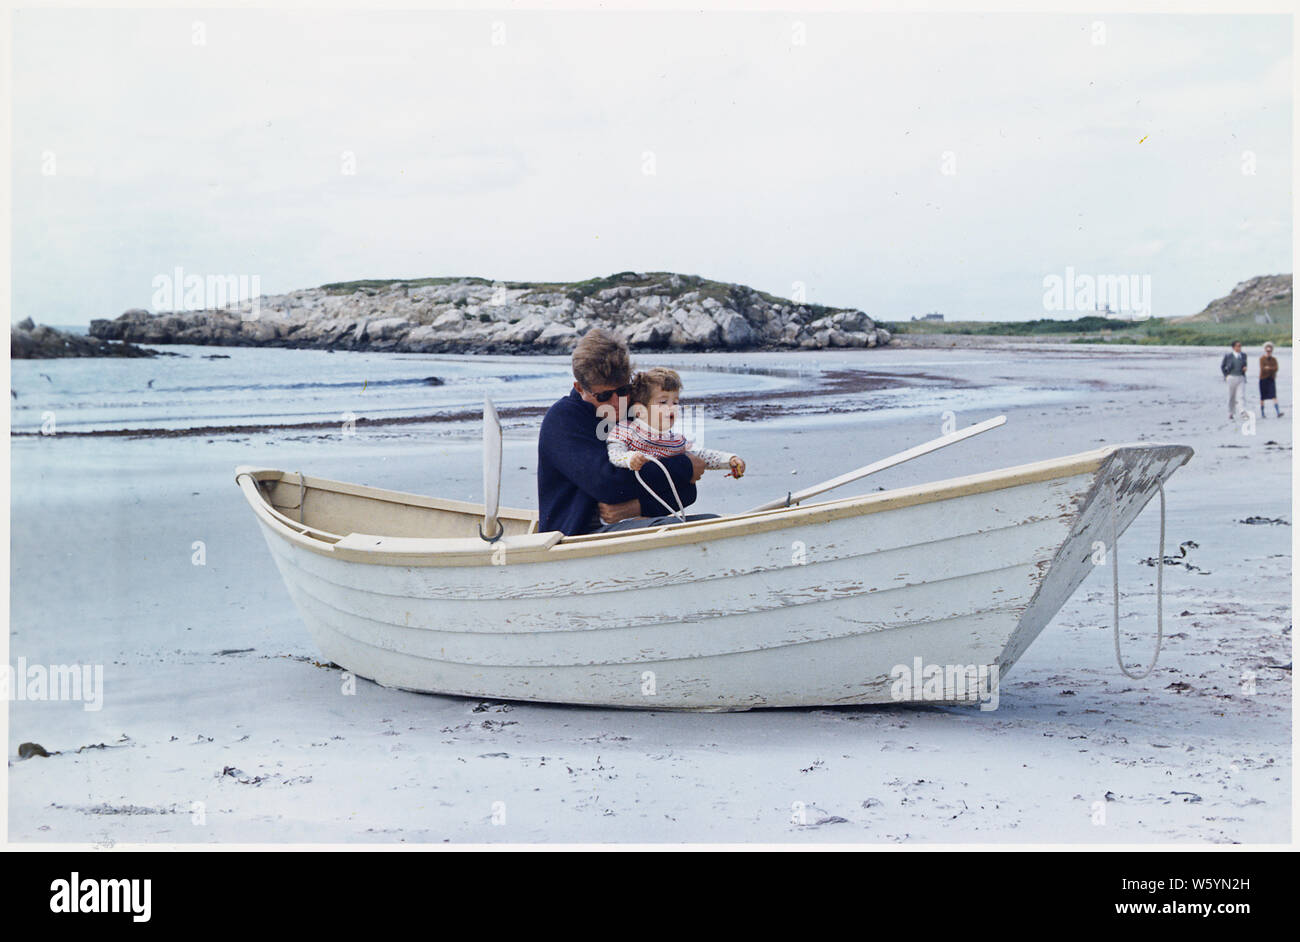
[{"x": 637, "y": 436}]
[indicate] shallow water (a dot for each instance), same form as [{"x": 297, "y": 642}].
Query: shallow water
[
  {"x": 259, "y": 386},
  {"x": 271, "y": 386}
]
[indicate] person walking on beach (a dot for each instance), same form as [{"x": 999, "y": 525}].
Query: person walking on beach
[
  {"x": 1268, "y": 380},
  {"x": 1233, "y": 368},
  {"x": 578, "y": 490}
]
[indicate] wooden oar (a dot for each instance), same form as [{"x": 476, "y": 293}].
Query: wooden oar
[
  {"x": 491, "y": 528},
  {"x": 915, "y": 452}
]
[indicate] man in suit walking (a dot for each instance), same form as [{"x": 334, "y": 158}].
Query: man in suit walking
[{"x": 1233, "y": 368}]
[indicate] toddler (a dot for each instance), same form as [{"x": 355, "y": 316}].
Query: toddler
[{"x": 649, "y": 430}]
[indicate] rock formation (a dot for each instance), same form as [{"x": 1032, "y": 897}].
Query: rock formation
[
  {"x": 27, "y": 341},
  {"x": 1263, "y": 294},
  {"x": 657, "y": 310}
]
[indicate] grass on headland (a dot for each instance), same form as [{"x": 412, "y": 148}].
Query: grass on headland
[
  {"x": 1160, "y": 331},
  {"x": 1042, "y": 325},
  {"x": 720, "y": 291},
  {"x": 1156, "y": 331},
  {"x": 375, "y": 285},
  {"x": 1089, "y": 329}
]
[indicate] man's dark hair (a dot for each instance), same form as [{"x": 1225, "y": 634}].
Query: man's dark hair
[{"x": 601, "y": 359}]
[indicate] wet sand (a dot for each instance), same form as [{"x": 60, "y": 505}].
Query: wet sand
[{"x": 220, "y": 722}]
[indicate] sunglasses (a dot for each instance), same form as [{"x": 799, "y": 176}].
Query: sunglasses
[{"x": 621, "y": 392}]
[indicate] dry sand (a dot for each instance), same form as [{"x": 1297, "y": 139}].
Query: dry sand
[{"x": 217, "y": 723}]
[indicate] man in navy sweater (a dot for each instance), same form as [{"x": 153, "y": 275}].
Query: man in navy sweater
[{"x": 576, "y": 484}]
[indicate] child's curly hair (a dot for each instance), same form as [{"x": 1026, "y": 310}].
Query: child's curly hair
[{"x": 646, "y": 382}]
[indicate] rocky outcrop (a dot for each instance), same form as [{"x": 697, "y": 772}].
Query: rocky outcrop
[
  {"x": 27, "y": 341},
  {"x": 1262, "y": 299},
  {"x": 657, "y": 310}
]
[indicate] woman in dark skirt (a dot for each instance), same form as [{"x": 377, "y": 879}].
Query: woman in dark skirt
[{"x": 1268, "y": 380}]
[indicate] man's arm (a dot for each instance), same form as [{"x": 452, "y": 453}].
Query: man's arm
[
  {"x": 583, "y": 459},
  {"x": 681, "y": 469},
  {"x": 612, "y": 513}
]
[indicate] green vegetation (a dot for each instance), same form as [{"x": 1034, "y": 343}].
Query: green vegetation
[
  {"x": 374, "y": 285},
  {"x": 1263, "y": 294},
  {"x": 581, "y": 290},
  {"x": 1042, "y": 325},
  {"x": 1194, "y": 334},
  {"x": 1093, "y": 329},
  {"x": 1278, "y": 309},
  {"x": 1223, "y": 320},
  {"x": 720, "y": 291},
  {"x": 818, "y": 310}
]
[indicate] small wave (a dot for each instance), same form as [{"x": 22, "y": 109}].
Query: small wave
[
  {"x": 358, "y": 383},
  {"x": 256, "y": 387}
]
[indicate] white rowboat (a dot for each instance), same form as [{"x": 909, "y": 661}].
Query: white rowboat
[{"x": 806, "y": 605}]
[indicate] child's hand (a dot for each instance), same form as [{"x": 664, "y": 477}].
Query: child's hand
[
  {"x": 737, "y": 467},
  {"x": 637, "y": 461}
]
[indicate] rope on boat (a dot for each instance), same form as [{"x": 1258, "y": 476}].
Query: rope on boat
[
  {"x": 1160, "y": 582},
  {"x": 302, "y": 496},
  {"x": 680, "y": 513}
]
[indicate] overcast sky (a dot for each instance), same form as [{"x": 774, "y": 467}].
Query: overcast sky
[{"x": 516, "y": 146}]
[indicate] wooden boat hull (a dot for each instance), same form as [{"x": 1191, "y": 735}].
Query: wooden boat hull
[{"x": 813, "y": 605}]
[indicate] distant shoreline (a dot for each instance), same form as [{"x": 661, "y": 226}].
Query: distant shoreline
[
  {"x": 734, "y": 405},
  {"x": 947, "y": 341},
  {"x": 655, "y": 312}
]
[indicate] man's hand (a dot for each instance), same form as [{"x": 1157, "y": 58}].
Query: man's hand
[
  {"x": 698, "y": 467},
  {"x": 637, "y": 461},
  {"x": 613, "y": 513}
]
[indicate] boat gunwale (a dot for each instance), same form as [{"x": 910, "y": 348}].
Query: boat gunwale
[
  {"x": 470, "y": 551},
  {"x": 378, "y": 493}
]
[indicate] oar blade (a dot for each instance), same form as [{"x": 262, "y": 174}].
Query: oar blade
[{"x": 491, "y": 469}]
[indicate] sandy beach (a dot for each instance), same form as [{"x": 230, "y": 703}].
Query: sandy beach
[{"x": 219, "y": 723}]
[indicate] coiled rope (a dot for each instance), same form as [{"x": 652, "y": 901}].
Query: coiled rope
[
  {"x": 680, "y": 513},
  {"x": 1160, "y": 582}
]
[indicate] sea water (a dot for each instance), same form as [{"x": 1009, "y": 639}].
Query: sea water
[{"x": 227, "y": 388}]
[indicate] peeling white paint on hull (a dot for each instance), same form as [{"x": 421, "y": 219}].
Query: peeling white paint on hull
[{"x": 811, "y": 605}]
